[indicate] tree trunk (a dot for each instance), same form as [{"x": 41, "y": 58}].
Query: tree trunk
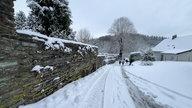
[{"x": 120, "y": 47}]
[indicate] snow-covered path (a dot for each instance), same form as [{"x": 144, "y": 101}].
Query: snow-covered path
[
  {"x": 108, "y": 91},
  {"x": 115, "y": 86},
  {"x": 116, "y": 94},
  {"x": 106, "y": 88}
]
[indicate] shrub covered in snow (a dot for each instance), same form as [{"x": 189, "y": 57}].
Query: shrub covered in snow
[{"x": 147, "y": 58}]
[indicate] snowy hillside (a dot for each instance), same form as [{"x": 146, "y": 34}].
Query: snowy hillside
[
  {"x": 132, "y": 42},
  {"x": 162, "y": 85}
]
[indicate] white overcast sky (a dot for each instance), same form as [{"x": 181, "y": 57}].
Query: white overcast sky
[{"x": 150, "y": 17}]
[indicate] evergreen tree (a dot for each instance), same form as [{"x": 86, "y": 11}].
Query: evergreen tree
[
  {"x": 20, "y": 20},
  {"x": 53, "y": 17},
  {"x": 31, "y": 23}
]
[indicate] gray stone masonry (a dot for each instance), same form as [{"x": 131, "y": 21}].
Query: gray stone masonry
[
  {"x": 20, "y": 86},
  {"x": 19, "y": 54},
  {"x": 6, "y": 18}
]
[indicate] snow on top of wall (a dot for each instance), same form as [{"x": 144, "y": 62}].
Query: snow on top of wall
[
  {"x": 57, "y": 78},
  {"x": 53, "y": 43},
  {"x": 38, "y": 68},
  {"x": 31, "y": 33},
  {"x": 184, "y": 42}
]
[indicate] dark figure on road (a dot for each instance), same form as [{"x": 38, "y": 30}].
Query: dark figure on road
[
  {"x": 131, "y": 61},
  {"x": 126, "y": 61},
  {"x": 122, "y": 62},
  {"x": 119, "y": 61}
]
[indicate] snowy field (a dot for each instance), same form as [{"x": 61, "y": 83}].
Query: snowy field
[
  {"x": 168, "y": 82},
  {"x": 162, "y": 85}
]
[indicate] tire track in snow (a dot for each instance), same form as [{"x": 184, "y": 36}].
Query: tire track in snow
[
  {"x": 108, "y": 91},
  {"x": 140, "y": 99},
  {"x": 167, "y": 89},
  {"x": 96, "y": 92},
  {"x": 116, "y": 94}
]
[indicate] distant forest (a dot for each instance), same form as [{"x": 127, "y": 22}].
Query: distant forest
[{"x": 131, "y": 42}]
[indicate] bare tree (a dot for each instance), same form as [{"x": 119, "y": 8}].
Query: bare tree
[
  {"x": 120, "y": 28},
  {"x": 83, "y": 35},
  {"x": 122, "y": 25}
]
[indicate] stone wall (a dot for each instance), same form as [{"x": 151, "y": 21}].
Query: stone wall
[
  {"x": 6, "y": 17},
  {"x": 19, "y": 85},
  {"x": 19, "y": 54}
]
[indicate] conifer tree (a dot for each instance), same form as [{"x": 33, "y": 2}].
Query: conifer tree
[
  {"x": 20, "y": 20},
  {"x": 53, "y": 17},
  {"x": 31, "y": 23}
]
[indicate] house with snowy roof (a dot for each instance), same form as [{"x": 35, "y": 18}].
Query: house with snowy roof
[{"x": 174, "y": 49}]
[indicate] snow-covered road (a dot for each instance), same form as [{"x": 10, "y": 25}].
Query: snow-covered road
[
  {"x": 111, "y": 86},
  {"x": 106, "y": 88}
]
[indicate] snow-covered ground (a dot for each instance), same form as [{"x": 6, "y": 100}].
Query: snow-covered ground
[
  {"x": 168, "y": 82},
  {"x": 162, "y": 85}
]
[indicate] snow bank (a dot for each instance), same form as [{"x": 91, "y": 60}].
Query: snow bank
[
  {"x": 174, "y": 75},
  {"x": 168, "y": 82}
]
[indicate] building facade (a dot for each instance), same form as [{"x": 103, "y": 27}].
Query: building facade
[
  {"x": 181, "y": 56},
  {"x": 175, "y": 49}
]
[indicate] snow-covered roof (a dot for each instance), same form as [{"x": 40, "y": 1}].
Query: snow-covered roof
[
  {"x": 176, "y": 45},
  {"x": 176, "y": 51},
  {"x": 49, "y": 40}
]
